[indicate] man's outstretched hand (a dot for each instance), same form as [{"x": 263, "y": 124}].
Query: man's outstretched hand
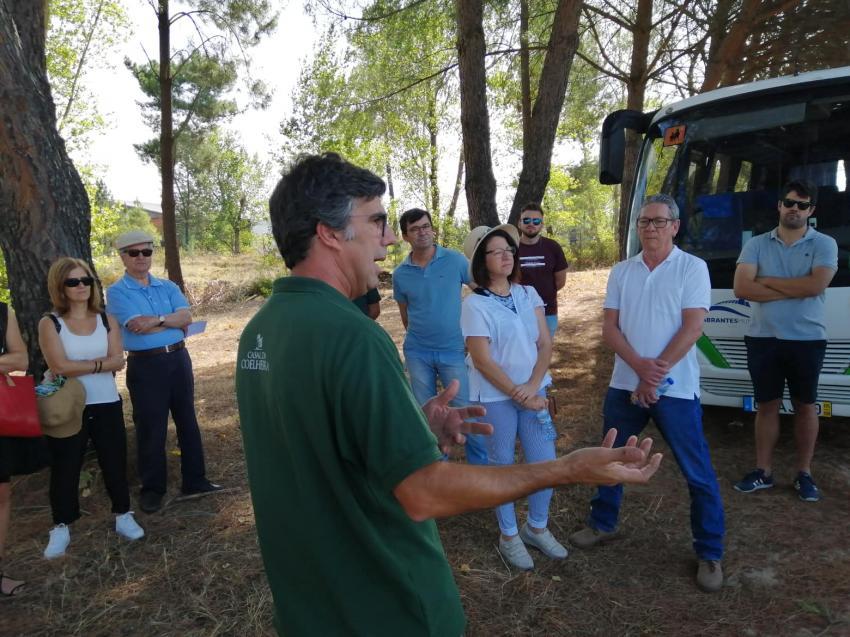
[
  {"x": 449, "y": 424},
  {"x": 631, "y": 464}
]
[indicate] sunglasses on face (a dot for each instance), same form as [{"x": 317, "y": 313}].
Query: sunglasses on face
[
  {"x": 73, "y": 282},
  {"x": 529, "y": 221},
  {"x": 801, "y": 205},
  {"x": 145, "y": 252}
]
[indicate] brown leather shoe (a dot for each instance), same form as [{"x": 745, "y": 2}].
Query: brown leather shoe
[
  {"x": 589, "y": 537},
  {"x": 710, "y": 576}
]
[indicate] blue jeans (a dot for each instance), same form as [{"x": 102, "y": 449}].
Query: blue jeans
[
  {"x": 552, "y": 324},
  {"x": 509, "y": 421},
  {"x": 680, "y": 423},
  {"x": 424, "y": 368}
]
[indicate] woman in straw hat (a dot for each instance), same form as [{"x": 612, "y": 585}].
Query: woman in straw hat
[
  {"x": 510, "y": 349},
  {"x": 79, "y": 340}
]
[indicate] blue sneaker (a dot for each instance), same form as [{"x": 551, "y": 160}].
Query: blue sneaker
[
  {"x": 806, "y": 487},
  {"x": 754, "y": 481}
]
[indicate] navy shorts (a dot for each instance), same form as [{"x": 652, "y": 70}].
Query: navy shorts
[{"x": 772, "y": 361}]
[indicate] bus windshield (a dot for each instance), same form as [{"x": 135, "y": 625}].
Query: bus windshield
[{"x": 726, "y": 166}]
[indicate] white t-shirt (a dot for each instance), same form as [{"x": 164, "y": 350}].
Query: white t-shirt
[
  {"x": 100, "y": 388},
  {"x": 650, "y": 305},
  {"x": 513, "y": 339}
]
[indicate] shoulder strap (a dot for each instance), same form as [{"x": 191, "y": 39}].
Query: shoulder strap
[
  {"x": 55, "y": 320},
  {"x": 105, "y": 321},
  {"x": 4, "y": 314}
]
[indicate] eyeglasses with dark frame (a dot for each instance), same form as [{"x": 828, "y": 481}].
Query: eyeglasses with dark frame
[
  {"x": 379, "y": 219},
  {"x": 419, "y": 229},
  {"x": 134, "y": 252},
  {"x": 657, "y": 222},
  {"x": 532, "y": 221},
  {"x": 801, "y": 205},
  {"x": 499, "y": 252},
  {"x": 72, "y": 282}
]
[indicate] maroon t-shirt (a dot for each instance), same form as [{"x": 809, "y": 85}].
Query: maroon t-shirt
[{"x": 538, "y": 264}]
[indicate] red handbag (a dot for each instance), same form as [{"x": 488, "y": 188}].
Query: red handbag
[{"x": 18, "y": 411}]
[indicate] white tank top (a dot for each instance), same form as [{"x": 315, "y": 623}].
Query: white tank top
[{"x": 100, "y": 388}]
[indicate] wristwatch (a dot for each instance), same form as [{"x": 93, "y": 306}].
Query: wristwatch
[{"x": 161, "y": 320}]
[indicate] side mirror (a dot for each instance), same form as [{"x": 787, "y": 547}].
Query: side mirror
[{"x": 612, "y": 142}]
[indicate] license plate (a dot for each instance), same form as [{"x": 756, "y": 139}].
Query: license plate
[{"x": 824, "y": 408}]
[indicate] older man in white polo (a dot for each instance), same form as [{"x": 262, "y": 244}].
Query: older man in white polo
[{"x": 153, "y": 314}]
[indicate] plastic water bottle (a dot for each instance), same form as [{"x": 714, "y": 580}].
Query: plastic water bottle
[
  {"x": 666, "y": 384},
  {"x": 545, "y": 421}
]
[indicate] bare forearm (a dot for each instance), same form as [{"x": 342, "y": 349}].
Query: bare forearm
[
  {"x": 446, "y": 488},
  {"x": 680, "y": 344},
  {"x": 16, "y": 361},
  {"x": 797, "y": 287},
  {"x": 494, "y": 374},
  {"x": 752, "y": 290},
  {"x": 614, "y": 338},
  {"x": 544, "y": 358}
]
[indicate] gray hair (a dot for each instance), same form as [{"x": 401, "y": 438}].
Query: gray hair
[{"x": 667, "y": 200}]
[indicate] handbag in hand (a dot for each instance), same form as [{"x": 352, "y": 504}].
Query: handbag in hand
[{"x": 18, "y": 410}]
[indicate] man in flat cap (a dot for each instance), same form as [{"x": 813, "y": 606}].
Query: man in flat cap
[{"x": 153, "y": 314}]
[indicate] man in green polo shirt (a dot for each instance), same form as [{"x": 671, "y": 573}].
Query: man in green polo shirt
[{"x": 343, "y": 464}]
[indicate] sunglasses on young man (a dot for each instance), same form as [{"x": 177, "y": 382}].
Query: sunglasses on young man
[
  {"x": 73, "y": 282},
  {"x": 536, "y": 221},
  {"x": 801, "y": 205},
  {"x": 145, "y": 252}
]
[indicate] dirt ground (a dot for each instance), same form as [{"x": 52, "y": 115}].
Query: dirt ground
[{"x": 198, "y": 571}]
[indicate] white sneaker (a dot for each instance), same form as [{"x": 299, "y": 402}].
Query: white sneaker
[
  {"x": 546, "y": 542},
  {"x": 515, "y": 553},
  {"x": 60, "y": 538},
  {"x": 127, "y": 527}
]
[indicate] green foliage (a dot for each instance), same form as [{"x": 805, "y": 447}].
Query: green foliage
[
  {"x": 81, "y": 34},
  {"x": 580, "y": 215}
]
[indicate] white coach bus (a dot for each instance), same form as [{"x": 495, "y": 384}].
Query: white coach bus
[{"x": 724, "y": 156}]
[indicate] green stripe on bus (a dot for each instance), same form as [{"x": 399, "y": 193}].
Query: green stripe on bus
[{"x": 712, "y": 353}]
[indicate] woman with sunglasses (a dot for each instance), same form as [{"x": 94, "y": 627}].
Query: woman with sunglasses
[
  {"x": 79, "y": 340},
  {"x": 509, "y": 350},
  {"x": 18, "y": 456}
]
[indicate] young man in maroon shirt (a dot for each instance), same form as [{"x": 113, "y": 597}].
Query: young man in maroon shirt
[{"x": 542, "y": 261}]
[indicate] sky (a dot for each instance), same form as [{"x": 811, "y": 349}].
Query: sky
[{"x": 276, "y": 61}]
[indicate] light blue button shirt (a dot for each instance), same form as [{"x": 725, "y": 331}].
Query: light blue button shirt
[
  {"x": 790, "y": 319},
  {"x": 432, "y": 295},
  {"x": 126, "y": 300}
]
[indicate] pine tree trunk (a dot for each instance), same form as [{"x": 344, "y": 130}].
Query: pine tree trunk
[
  {"x": 474, "y": 116},
  {"x": 539, "y": 133},
  {"x": 44, "y": 209},
  {"x": 166, "y": 144}
]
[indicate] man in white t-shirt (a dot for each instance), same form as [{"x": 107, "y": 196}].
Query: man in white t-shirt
[{"x": 654, "y": 310}]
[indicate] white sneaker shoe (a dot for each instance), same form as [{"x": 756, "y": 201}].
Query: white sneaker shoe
[
  {"x": 515, "y": 553},
  {"x": 546, "y": 542},
  {"x": 127, "y": 527},
  {"x": 60, "y": 538}
]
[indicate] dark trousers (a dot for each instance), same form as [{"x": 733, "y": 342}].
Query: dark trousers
[
  {"x": 159, "y": 384},
  {"x": 680, "y": 423},
  {"x": 104, "y": 425}
]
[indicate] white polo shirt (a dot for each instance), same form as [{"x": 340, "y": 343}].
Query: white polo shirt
[
  {"x": 650, "y": 305},
  {"x": 512, "y": 336}
]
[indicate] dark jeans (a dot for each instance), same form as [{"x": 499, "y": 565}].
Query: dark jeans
[
  {"x": 159, "y": 384},
  {"x": 680, "y": 422},
  {"x": 104, "y": 425}
]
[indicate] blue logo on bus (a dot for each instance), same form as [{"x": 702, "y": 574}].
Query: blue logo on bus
[{"x": 731, "y": 307}]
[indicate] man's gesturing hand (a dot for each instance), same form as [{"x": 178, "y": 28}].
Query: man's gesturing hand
[
  {"x": 631, "y": 464},
  {"x": 448, "y": 423}
]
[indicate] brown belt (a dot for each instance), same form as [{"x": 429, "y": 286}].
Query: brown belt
[{"x": 159, "y": 350}]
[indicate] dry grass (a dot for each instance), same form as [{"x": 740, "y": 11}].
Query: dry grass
[{"x": 198, "y": 571}]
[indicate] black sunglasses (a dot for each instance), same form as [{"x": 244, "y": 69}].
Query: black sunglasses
[
  {"x": 74, "y": 281},
  {"x": 528, "y": 221},
  {"x": 145, "y": 252},
  {"x": 801, "y": 205}
]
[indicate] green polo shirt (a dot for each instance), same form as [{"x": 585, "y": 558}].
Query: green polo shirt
[{"x": 330, "y": 427}]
